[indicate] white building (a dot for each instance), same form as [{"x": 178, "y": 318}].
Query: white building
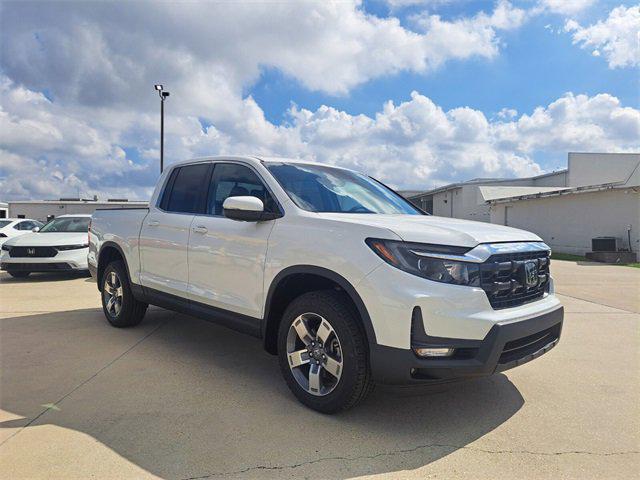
[
  {"x": 597, "y": 195},
  {"x": 45, "y": 210},
  {"x": 468, "y": 199}
]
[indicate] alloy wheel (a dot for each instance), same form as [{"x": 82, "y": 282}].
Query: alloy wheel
[
  {"x": 314, "y": 354},
  {"x": 112, "y": 292}
]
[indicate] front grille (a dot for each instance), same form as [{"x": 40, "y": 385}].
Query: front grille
[
  {"x": 35, "y": 267},
  {"x": 33, "y": 252},
  {"x": 523, "y": 347},
  {"x": 504, "y": 278}
]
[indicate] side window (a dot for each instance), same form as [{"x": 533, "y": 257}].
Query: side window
[
  {"x": 234, "y": 180},
  {"x": 23, "y": 226},
  {"x": 188, "y": 189}
]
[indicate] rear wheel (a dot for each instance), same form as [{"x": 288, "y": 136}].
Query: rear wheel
[
  {"x": 322, "y": 352},
  {"x": 118, "y": 303},
  {"x": 19, "y": 274}
]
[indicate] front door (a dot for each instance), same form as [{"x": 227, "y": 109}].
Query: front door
[
  {"x": 164, "y": 236},
  {"x": 226, "y": 257}
]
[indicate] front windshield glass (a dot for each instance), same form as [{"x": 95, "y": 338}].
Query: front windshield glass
[
  {"x": 67, "y": 224},
  {"x": 317, "y": 188},
  {"x": 4, "y": 223}
]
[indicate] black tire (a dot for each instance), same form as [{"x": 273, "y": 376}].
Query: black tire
[
  {"x": 19, "y": 274},
  {"x": 131, "y": 311},
  {"x": 355, "y": 382}
]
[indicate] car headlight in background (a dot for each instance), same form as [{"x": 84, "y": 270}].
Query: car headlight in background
[
  {"x": 415, "y": 258},
  {"x": 72, "y": 247}
]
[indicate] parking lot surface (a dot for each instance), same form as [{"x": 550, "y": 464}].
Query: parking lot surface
[{"x": 180, "y": 398}]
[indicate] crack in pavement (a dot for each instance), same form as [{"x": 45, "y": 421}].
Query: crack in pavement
[
  {"x": 83, "y": 383},
  {"x": 596, "y": 303},
  {"x": 408, "y": 450}
]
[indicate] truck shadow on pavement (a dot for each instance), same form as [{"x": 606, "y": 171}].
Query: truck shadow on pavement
[{"x": 183, "y": 398}]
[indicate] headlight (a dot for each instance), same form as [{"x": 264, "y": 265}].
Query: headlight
[
  {"x": 72, "y": 247},
  {"x": 423, "y": 260},
  {"x": 6, "y": 247}
]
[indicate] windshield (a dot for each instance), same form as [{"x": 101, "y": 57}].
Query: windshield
[
  {"x": 67, "y": 224},
  {"x": 325, "y": 189},
  {"x": 4, "y": 223}
]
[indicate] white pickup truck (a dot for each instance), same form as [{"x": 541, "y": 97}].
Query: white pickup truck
[{"x": 342, "y": 278}]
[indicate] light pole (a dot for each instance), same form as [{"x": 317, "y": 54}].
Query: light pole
[{"x": 162, "y": 95}]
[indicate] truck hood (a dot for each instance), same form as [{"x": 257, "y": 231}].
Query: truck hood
[
  {"x": 48, "y": 239},
  {"x": 437, "y": 230}
]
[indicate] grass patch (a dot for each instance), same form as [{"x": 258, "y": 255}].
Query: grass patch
[{"x": 578, "y": 258}]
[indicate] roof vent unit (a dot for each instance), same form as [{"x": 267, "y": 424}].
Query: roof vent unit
[
  {"x": 117, "y": 200},
  {"x": 604, "y": 244}
]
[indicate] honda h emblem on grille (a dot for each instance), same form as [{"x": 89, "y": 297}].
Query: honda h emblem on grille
[
  {"x": 531, "y": 274},
  {"x": 31, "y": 251}
]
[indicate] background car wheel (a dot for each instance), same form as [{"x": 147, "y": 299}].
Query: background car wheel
[
  {"x": 19, "y": 274},
  {"x": 118, "y": 303},
  {"x": 323, "y": 353}
]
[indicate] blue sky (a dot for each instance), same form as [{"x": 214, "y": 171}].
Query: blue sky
[
  {"x": 536, "y": 66},
  {"x": 415, "y": 92}
]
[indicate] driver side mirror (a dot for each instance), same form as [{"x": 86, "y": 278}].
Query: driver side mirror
[
  {"x": 246, "y": 209},
  {"x": 35, "y": 229}
]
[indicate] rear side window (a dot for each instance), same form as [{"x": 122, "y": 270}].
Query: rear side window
[
  {"x": 187, "y": 187},
  {"x": 233, "y": 180}
]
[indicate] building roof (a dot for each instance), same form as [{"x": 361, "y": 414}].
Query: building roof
[
  {"x": 556, "y": 191},
  {"x": 81, "y": 202},
  {"x": 477, "y": 181},
  {"x": 496, "y": 192}
]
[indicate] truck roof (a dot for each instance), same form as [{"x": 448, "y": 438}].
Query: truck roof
[{"x": 254, "y": 159}]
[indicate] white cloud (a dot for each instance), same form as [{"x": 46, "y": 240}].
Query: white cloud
[
  {"x": 414, "y": 144},
  {"x": 98, "y": 62},
  {"x": 464, "y": 37},
  {"x": 616, "y": 38},
  {"x": 507, "y": 113},
  {"x": 106, "y": 49},
  {"x": 565, "y": 7}
]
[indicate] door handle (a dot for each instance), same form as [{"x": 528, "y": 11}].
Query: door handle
[
  {"x": 200, "y": 229},
  {"x": 153, "y": 223}
]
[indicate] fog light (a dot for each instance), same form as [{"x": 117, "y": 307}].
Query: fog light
[{"x": 434, "y": 352}]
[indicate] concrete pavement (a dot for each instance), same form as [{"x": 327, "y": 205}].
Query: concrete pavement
[{"x": 181, "y": 398}]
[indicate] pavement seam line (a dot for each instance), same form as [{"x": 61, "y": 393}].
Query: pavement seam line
[
  {"x": 83, "y": 383},
  {"x": 596, "y": 303},
  {"x": 409, "y": 450}
]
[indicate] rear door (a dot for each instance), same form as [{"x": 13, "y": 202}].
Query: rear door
[
  {"x": 226, "y": 257},
  {"x": 164, "y": 236}
]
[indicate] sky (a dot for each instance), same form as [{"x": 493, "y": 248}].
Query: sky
[{"x": 417, "y": 93}]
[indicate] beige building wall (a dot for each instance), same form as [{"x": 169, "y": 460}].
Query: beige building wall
[
  {"x": 567, "y": 223},
  {"x": 598, "y": 168}
]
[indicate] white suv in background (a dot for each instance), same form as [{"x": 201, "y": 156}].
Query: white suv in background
[
  {"x": 342, "y": 278},
  {"x": 14, "y": 227},
  {"x": 60, "y": 245}
]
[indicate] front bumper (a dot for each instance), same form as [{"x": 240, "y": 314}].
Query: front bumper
[
  {"x": 62, "y": 261},
  {"x": 507, "y": 345}
]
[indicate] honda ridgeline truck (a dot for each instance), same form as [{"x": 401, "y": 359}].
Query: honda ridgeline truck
[{"x": 344, "y": 280}]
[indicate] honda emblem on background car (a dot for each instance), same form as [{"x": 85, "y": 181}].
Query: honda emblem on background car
[
  {"x": 531, "y": 274},
  {"x": 31, "y": 251}
]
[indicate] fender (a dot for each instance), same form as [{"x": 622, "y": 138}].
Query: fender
[
  {"x": 135, "y": 288},
  {"x": 329, "y": 275}
]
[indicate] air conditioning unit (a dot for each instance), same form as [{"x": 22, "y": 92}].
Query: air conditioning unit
[{"x": 604, "y": 244}]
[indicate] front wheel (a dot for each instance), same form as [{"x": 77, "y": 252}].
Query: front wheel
[
  {"x": 118, "y": 303},
  {"x": 323, "y": 353}
]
